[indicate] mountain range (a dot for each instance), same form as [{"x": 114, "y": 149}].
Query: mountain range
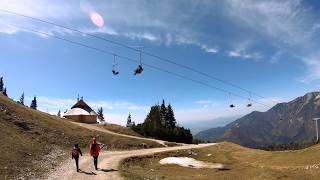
[
  {"x": 284, "y": 123},
  {"x": 198, "y": 126}
]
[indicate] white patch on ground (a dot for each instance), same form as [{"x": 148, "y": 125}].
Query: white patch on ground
[{"x": 190, "y": 162}]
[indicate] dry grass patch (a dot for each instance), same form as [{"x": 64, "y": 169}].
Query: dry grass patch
[
  {"x": 240, "y": 162},
  {"x": 119, "y": 129}
]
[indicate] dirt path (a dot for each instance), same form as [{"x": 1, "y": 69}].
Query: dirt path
[
  {"x": 108, "y": 163},
  {"x": 88, "y": 126}
]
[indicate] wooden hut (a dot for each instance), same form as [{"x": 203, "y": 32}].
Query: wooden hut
[{"x": 81, "y": 112}]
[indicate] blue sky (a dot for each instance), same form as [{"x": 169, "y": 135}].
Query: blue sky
[{"x": 269, "y": 47}]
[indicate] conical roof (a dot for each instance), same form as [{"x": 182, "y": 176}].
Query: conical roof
[{"x": 81, "y": 105}]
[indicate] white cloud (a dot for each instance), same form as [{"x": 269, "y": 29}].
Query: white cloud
[
  {"x": 289, "y": 26},
  {"x": 209, "y": 49},
  {"x": 53, "y": 103},
  {"x": 143, "y": 36},
  {"x": 115, "y": 111},
  {"x": 121, "y": 119},
  {"x": 244, "y": 55},
  {"x": 241, "y": 51},
  {"x": 104, "y": 30},
  {"x": 222, "y": 110},
  {"x": 234, "y": 54},
  {"x": 206, "y": 103},
  {"x": 37, "y": 9},
  {"x": 141, "y": 22},
  {"x": 209, "y": 113},
  {"x": 271, "y": 101},
  {"x": 282, "y": 20},
  {"x": 313, "y": 64}
]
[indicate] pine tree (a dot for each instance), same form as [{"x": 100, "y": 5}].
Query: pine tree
[
  {"x": 152, "y": 126},
  {"x": 59, "y": 113},
  {"x": 34, "y": 103},
  {"x": 171, "y": 119},
  {"x": 21, "y": 101},
  {"x": 100, "y": 114},
  {"x": 154, "y": 117},
  {"x": 1, "y": 84},
  {"x": 5, "y": 92},
  {"x": 163, "y": 114},
  {"x": 129, "y": 121}
]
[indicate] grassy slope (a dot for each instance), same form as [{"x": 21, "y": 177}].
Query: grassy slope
[
  {"x": 34, "y": 142},
  {"x": 119, "y": 129},
  {"x": 244, "y": 163}
]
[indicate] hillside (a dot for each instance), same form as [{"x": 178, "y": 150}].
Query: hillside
[
  {"x": 284, "y": 123},
  {"x": 118, "y": 129},
  {"x": 33, "y": 142},
  {"x": 240, "y": 163}
]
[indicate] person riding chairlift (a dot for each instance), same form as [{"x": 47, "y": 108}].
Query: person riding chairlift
[
  {"x": 138, "y": 70},
  {"x": 114, "y": 71}
]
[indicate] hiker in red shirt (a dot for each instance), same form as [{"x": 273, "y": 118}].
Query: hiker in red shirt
[
  {"x": 75, "y": 154},
  {"x": 94, "y": 151}
]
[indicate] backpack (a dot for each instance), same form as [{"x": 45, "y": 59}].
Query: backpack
[
  {"x": 93, "y": 150},
  {"x": 75, "y": 152},
  {"x": 93, "y": 147}
]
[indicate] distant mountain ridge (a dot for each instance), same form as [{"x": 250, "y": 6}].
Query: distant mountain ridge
[
  {"x": 198, "y": 126},
  {"x": 282, "y": 124}
]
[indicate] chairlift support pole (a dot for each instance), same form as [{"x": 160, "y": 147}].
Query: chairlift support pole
[{"x": 317, "y": 131}]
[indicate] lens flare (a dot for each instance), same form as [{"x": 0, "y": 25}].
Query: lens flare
[{"x": 97, "y": 19}]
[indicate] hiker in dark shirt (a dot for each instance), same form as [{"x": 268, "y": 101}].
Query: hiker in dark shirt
[{"x": 75, "y": 154}]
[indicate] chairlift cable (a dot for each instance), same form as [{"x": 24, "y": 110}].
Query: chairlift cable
[
  {"x": 136, "y": 61},
  {"x": 135, "y": 49}
]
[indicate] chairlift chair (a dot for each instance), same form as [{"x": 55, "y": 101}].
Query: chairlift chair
[
  {"x": 280, "y": 119},
  {"x": 250, "y": 102},
  {"x": 114, "y": 69},
  {"x": 114, "y": 72},
  {"x": 138, "y": 70},
  {"x": 231, "y": 101}
]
